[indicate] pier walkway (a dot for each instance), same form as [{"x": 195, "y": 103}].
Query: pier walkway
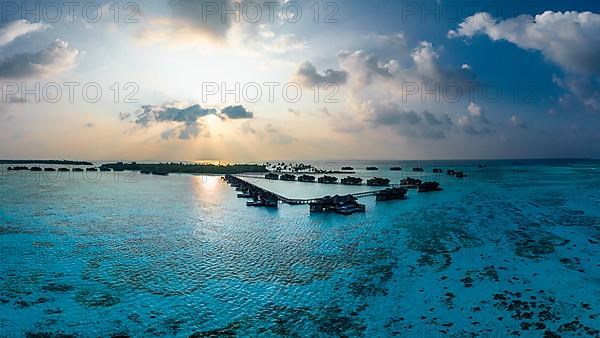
[{"x": 296, "y": 201}]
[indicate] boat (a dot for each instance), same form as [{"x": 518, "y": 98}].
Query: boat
[{"x": 160, "y": 173}]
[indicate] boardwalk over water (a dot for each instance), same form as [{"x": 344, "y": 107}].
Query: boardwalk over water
[{"x": 308, "y": 200}]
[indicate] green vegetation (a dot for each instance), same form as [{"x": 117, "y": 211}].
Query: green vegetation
[{"x": 185, "y": 168}]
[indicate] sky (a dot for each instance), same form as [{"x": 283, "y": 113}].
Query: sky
[{"x": 254, "y": 80}]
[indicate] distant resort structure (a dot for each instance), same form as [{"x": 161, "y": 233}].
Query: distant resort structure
[{"x": 260, "y": 197}]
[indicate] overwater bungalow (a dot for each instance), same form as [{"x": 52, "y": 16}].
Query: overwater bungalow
[
  {"x": 391, "y": 194},
  {"x": 49, "y": 169},
  {"x": 451, "y": 172},
  {"x": 264, "y": 200},
  {"x": 102, "y": 168},
  {"x": 351, "y": 181},
  {"x": 429, "y": 186},
  {"x": 272, "y": 176},
  {"x": 35, "y": 169},
  {"x": 91, "y": 169},
  {"x": 460, "y": 174},
  {"x": 327, "y": 180},
  {"x": 418, "y": 169},
  {"x": 378, "y": 182},
  {"x": 410, "y": 182},
  {"x": 18, "y": 168},
  {"x": 396, "y": 168},
  {"x": 63, "y": 170},
  {"x": 344, "y": 205},
  {"x": 78, "y": 170},
  {"x": 287, "y": 177},
  {"x": 145, "y": 172},
  {"x": 438, "y": 170},
  {"x": 245, "y": 194},
  {"x": 307, "y": 179},
  {"x": 372, "y": 168},
  {"x": 347, "y": 168}
]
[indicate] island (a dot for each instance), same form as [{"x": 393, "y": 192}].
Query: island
[{"x": 185, "y": 168}]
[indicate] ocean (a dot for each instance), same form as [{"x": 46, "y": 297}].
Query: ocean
[{"x": 511, "y": 249}]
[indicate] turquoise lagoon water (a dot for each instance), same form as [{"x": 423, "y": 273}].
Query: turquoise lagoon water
[{"x": 513, "y": 249}]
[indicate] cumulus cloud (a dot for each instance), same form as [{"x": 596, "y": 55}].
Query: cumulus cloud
[
  {"x": 236, "y": 112},
  {"x": 365, "y": 67},
  {"x": 426, "y": 60},
  {"x": 308, "y": 75},
  {"x": 475, "y": 123},
  {"x": 569, "y": 39},
  {"x": 183, "y": 122},
  {"x": 55, "y": 59},
  {"x": 16, "y": 29}
]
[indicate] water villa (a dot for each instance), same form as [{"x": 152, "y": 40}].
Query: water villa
[
  {"x": 396, "y": 168},
  {"x": 344, "y": 205},
  {"x": 272, "y": 176},
  {"x": 91, "y": 169},
  {"x": 49, "y": 169},
  {"x": 391, "y": 194},
  {"x": 460, "y": 174},
  {"x": 64, "y": 170},
  {"x": 429, "y": 186},
  {"x": 307, "y": 179},
  {"x": 260, "y": 197},
  {"x": 287, "y": 177},
  {"x": 378, "y": 182},
  {"x": 410, "y": 183},
  {"x": 78, "y": 170},
  {"x": 347, "y": 168},
  {"x": 372, "y": 168},
  {"x": 35, "y": 169},
  {"x": 351, "y": 181},
  {"x": 327, "y": 180},
  {"x": 418, "y": 169},
  {"x": 438, "y": 170}
]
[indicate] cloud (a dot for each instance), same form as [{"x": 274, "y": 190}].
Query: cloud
[
  {"x": 570, "y": 39},
  {"x": 187, "y": 120},
  {"x": 57, "y": 58},
  {"x": 195, "y": 15},
  {"x": 517, "y": 122},
  {"x": 426, "y": 60},
  {"x": 16, "y": 29},
  {"x": 236, "y": 112},
  {"x": 409, "y": 123},
  {"x": 476, "y": 123},
  {"x": 364, "y": 67},
  {"x": 308, "y": 75}
]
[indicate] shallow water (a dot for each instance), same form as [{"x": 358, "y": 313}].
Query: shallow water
[{"x": 511, "y": 249}]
